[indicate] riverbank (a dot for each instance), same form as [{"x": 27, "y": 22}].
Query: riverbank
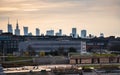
[{"x": 60, "y": 70}]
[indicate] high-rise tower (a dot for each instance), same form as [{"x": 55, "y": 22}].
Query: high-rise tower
[
  {"x": 59, "y": 33},
  {"x": 25, "y": 30},
  {"x": 50, "y": 32},
  {"x": 37, "y": 32},
  {"x": 9, "y": 26},
  {"x": 83, "y": 33},
  {"x": 74, "y": 33},
  {"x": 1, "y": 31},
  {"x": 17, "y": 30}
]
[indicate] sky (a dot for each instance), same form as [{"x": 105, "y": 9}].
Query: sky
[{"x": 96, "y": 16}]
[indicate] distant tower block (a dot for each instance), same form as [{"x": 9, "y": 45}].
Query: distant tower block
[
  {"x": 59, "y": 33},
  {"x": 10, "y": 30},
  {"x": 101, "y": 35},
  {"x": 74, "y": 33},
  {"x": 25, "y": 30},
  {"x": 83, "y": 33},
  {"x": 1, "y": 31},
  {"x": 17, "y": 30},
  {"x": 50, "y": 32},
  {"x": 37, "y": 32}
]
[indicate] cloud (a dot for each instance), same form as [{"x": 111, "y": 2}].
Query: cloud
[
  {"x": 28, "y": 8},
  {"x": 8, "y": 9},
  {"x": 54, "y": 5}
]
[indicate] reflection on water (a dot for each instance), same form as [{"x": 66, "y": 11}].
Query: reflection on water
[
  {"x": 71, "y": 74},
  {"x": 46, "y": 73},
  {"x": 50, "y": 73},
  {"x": 85, "y": 73}
]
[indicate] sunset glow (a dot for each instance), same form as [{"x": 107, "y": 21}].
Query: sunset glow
[{"x": 96, "y": 16}]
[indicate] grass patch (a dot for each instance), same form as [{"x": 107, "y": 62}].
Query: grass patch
[
  {"x": 104, "y": 55},
  {"x": 11, "y": 58}
]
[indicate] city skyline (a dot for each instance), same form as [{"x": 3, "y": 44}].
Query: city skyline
[{"x": 96, "y": 16}]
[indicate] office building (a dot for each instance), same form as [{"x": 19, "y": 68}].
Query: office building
[
  {"x": 50, "y": 44},
  {"x": 83, "y": 33},
  {"x": 10, "y": 30},
  {"x": 17, "y": 30},
  {"x": 25, "y": 30},
  {"x": 101, "y": 35},
  {"x": 1, "y": 31},
  {"x": 50, "y": 32},
  {"x": 10, "y": 43},
  {"x": 74, "y": 33},
  {"x": 37, "y": 32},
  {"x": 59, "y": 33}
]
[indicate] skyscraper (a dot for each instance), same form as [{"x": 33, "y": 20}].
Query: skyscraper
[
  {"x": 74, "y": 33},
  {"x": 59, "y": 33},
  {"x": 10, "y": 30},
  {"x": 17, "y": 30},
  {"x": 25, "y": 30},
  {"x": 50, "y": 32},
  {"x": 101, "y": 35},
  {"x": 1, "y": 31},
  {"x": 83, "y": 33},
  {"x": 37, "y": 32}
]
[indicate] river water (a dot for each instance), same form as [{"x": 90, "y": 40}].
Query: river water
[
  {"x": 84, "y": 73},
  {"x": 90, "y": 73}
]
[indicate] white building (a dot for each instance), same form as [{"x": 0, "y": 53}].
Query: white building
[{"x": 83, "y": 47}]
